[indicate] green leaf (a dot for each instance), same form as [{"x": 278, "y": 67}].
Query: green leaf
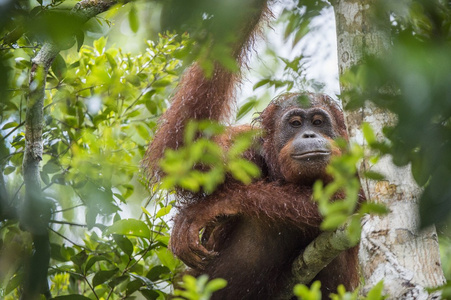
[
  {"x": 354, "y": 229},
  {"x": 149, "y": 294},
  {"x": 133, "y": 79},
  {"x": 131, "y": 227},
  {"x": 376, "y": 292},
  {"x": 129, "y": 188},
  {"x": 13, "y": 283},
  {"x": 163, "y": 211},
  {"x": 118, "y": 280},
  {"x": 55, "y": 251},
  {"x": 226, "y": 60},
  {"x": 10, "y": 125},
  {"x": 312, "y": 293},
  {"x": 250, "y": 168},
  {"x": 71, "y": 297},
  {"x": 142, "y": 131},
  {"x": 91, "y": 216},
  {"x": 92, "y": 260},
  {"x": 18, "y": 138},
  {"x": 8, "y": 170},
  {"x": 102, "y": 276},
  {"x": 368, "y": 133},
  {"x": 67, "y": 252},
  {"x": 99, "y": 45},
  {"x": 79, "y": 258},
  {"x": 155, "y": 273},
  {"x": 190, "y": 183},
  {"x": 143, "y": 279},
  {"x": 59, "y": 179},
  {"x": 239, "y": 172},
  {"x": 215, "y": 285},
  {"x": 301, "y": 31},
  {"x": 261, "y": 83},
  {"x": 133, "y": 19},
  {"x": 245, "y": 108},
  {"x": 374, "y": 208},
  {"x": 146, "y": 211},
  {"x": 333, "y": 221},
  {"x": 374, "y": 175},
  {"x": 111, "y": 60},
  {"x": 133, "y": 286},
  {"x": 51, "y": 167},
  {"x": 124, "y": 243},
  {"x": 151, "y": 107},
  {"x": 161, "y": 83},
  {"x": 59, "y": 67},
  {"x": 80, "y": 37},
  {"x": 167, "y": 258}
]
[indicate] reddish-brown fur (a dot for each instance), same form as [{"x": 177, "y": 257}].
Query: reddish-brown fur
[
  {"x": 252, "y": 233},
  {"x": 198, "y": 97}
]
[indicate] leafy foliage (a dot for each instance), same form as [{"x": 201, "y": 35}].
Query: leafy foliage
[
  {"x": 313, "y": 292},
  {"x": 201, "y": 163},
  {"x": 101, "y": 107},
  {"x": 343, "y": 170},
  {"x": 309, "y": 293},
  {"x": 200, "y": 288},
  {"x": 100, "y": 112}
]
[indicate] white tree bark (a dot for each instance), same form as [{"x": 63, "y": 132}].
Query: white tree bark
[{"x": 391, "y": 248}]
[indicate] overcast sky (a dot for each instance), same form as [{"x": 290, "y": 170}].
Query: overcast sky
[{"x": 320, "y": 45}]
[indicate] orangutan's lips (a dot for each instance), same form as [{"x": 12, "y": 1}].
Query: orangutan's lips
[{"x": 310, "y": 155}]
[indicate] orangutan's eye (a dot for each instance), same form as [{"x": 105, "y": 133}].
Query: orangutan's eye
[
  {"x": 317, "y": 120},
  {"x": 295, "y": 121}
]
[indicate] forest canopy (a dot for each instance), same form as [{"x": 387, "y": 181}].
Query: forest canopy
[{"x": 81, "y": 219}]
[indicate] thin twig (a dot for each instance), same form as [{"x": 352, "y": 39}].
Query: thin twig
[{"x": 67, "y": 223}]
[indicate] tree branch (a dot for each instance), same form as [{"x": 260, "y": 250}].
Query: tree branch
[
  {"x": 316, "y": 256},
  {"x": 87, "y": 9},
  {"x": 5, "y": 211}
]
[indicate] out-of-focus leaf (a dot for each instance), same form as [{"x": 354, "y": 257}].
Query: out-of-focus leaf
[
  {"x": 133, "y": 286},
  {"x": 71, "y": 297},
  {"x": 92, "y": 260},
  {"x": 149, "y": 294},
  {"x": 332, "y": 222},
  {"x": 261, "y": 83},
  {"x": 59, "y": 67},
  {"x": 245, "y": 108},
  {"x": 131, "y": 227},
  {"x": 124, "y": 243},
  {"x": 80, "y": 258},
  {"x": 80, "y": 37},
  {"x": 373, "y": 175},
  {"x": 8, "y": 170},
  {"x": 9, "y": 125},
  {"x": 102, "y": 276},
  {"x": 163, "y": 211},
  {"x": 215, "y": 285},
  {"x": 156, "y": 272},
  {"x": 133, "y": 19},
  {"x": 376, "y": 292}
]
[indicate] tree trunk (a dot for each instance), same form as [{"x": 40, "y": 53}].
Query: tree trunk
[
  {"x": 391, "y": 248},
  {"x": 36, "y": 211}
]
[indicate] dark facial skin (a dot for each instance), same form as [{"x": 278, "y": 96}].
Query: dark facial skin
[{"x": 303, "y": 139}]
